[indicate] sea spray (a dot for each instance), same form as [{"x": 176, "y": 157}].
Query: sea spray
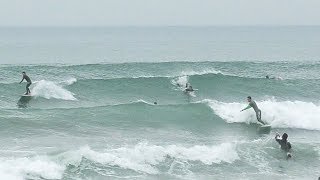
[
  {"x": 49, "y": 89},
  {"x": 144, "y": 157}
]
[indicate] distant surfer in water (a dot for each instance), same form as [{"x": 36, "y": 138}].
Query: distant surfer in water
[
  {"x": 285, "y": 145},
  {"x": 25, "y": 77},
  {"x": 188, "y": 88},
  {"x": 276, "y": 78},
  {"x": 252, "y": 104}
]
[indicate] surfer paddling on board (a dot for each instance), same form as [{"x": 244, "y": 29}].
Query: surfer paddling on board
[
  {"x": 25, "y": 77},
  {"x": 285, "y": 145},
  {"x": 252, "y": 104}
]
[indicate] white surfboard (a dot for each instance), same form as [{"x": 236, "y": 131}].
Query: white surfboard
[
  {"x": 26, "y": 95},
  {"x": 264, "y": 128}
]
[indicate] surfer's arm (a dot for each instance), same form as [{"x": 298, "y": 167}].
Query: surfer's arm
[
  {"x": 248, "y": 107},
  {"x": 277, "y": 138},
  {"x": 21, "y": 80}
]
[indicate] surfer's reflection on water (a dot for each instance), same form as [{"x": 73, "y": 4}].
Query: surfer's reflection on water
[{"x": 23, "y": 101}]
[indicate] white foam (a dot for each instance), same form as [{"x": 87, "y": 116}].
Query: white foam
[
  {"x": 20, "y": 168},
  {"x": 68, "y": 81},
  {"x": 141, "y": 158},
  {"x": 144, "y": 157},
  {"x": 202, "y": 72},
  {"x": 145, "y": 102},
  {"x": 49, "y": 89},
  {"x": 282, "y": 114},
  {"x": 180, "y": 81}
]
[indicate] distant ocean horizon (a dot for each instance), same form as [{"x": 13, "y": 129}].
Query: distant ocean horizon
[{"x": 86, "y": 45}]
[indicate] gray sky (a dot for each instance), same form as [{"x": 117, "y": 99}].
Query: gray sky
[{"x": 158, "y": 12}]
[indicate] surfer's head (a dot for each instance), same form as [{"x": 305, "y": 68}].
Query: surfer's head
[
  {"x": 249, "y": 98},
  {"x": 24, "y": 73},
  {"x": 267, "y": 76},
  {"x": 284, "y": 136}
]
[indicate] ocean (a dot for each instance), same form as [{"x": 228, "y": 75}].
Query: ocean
[{"x": 93, "y": 113}]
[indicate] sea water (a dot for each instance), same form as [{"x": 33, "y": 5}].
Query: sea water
[{"x": 92, "y": 115}]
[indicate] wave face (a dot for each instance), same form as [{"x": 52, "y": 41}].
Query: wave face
[
  {"x": 134, "y": 121},
  {"x": 285, "y": 114}
]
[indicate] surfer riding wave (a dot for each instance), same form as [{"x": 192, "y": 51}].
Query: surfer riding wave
[
  {"x": 26, "y": 77},
  {"x": 252, "y": 104}
]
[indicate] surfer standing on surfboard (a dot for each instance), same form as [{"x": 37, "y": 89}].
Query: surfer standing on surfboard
[
  {"x": 252, "y": 104},
  {"x": 25, "y": 77}
]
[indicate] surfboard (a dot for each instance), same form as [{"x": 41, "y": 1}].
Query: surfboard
[
  {"x": 26, "y": 96},
  {"x": 265, "y": 129},
  {"x": 186, "y": 90}
]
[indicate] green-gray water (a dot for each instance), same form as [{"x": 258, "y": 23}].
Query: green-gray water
[{"x": 99, "y": 120}]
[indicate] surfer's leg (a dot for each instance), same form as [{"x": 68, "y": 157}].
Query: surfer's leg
[
  {"x": 27, "y": 88},
  {"x": 258, "y": 114}
]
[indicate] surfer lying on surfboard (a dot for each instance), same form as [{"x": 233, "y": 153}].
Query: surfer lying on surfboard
[
  {"x": 285, "y": 145},
  {"x": 252, "y": 104},
  {"x": 25, "y": 77}
]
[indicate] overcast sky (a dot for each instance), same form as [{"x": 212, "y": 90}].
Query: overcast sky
[{"x": 158, "y": 12}]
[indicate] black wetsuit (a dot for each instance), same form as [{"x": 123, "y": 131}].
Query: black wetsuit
[
  {"x": 28, "y": 83},
  {"x": 189, "y": 89},
  {"x": 285, "y": 145}
]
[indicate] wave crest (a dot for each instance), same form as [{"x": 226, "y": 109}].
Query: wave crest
[
  {"x": 282, "y": 114},
  {"x": 49, "y": 89},
  {"x": 144, "y": 157}
]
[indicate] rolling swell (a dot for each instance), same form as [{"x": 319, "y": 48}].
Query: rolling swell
[
  {"x": 134, "y": 113},
  {"x": 215, "y": 86},
  {"x": 198, "y": 115},
  {"x": 56, "y": 72},
  {"x": 164, "y": 89}
]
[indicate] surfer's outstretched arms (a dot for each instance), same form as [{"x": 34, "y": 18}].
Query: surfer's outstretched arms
[
  {"x": 252, "y": 104},
  {"x": 25, "y": 77},
  {"x": 285, "y": 145}
]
